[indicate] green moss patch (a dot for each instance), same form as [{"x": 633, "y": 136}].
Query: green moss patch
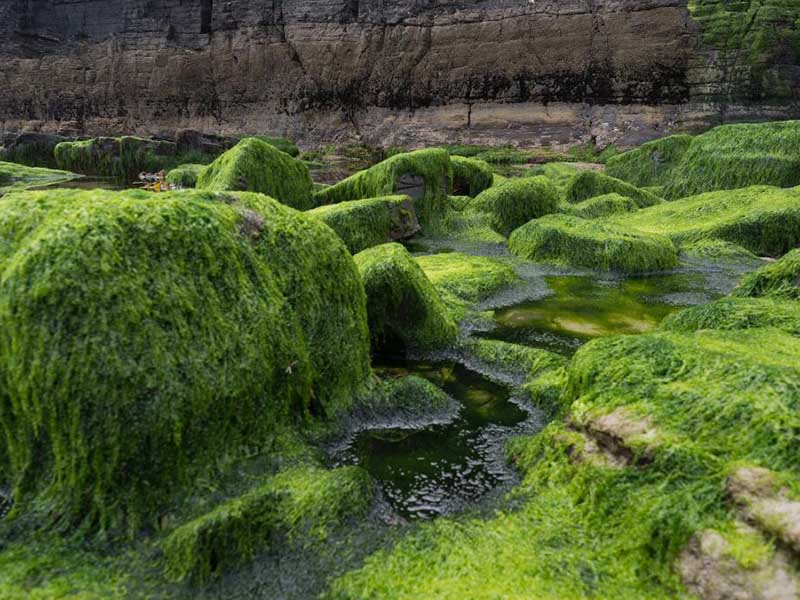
[
  {"x": 764, "y": 220},
  {"x": 737, "y": 313},
  {"x": 530, "y": 363},
  {"x": 589, "y": 184},
  {"x": 602, "y": 206},
  {"x": 365, "y": 223},
  {"x": 188, "y": 325},
  {"x": 301, "y": 505},
  {"x": 253, "y": 165},
  {"x": 652, "y": 164},
  {"x": 14, "y": 177},
  {"x": 470, "y": 175},
  {"x": 425, "y": 175},
  {"x": 712, "y": 249},
  {"x": 402, "y": 304},
  {"x": 466, "y": 278},
  {"x": 567, "y": 240},
  {"x": 282, "y": 144},
  {"x": 516, "y": 202},
  {"x": 780, "y": 279},
  {"x": 185, "y": 175},
  {"x": 122, "y": 158}
]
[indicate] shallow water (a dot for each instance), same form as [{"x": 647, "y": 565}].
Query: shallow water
[
  {"x": 581, "y": 307},
  {"x": 86, "y": 183},
  {"x": 441, "y": 468}
]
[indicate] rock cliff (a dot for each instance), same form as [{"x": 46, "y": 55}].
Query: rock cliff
[{"x": 398, "y": 71}]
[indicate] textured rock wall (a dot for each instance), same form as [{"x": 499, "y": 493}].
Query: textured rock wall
[{"x": 392, "y": 71}]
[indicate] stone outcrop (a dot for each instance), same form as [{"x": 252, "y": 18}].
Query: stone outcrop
[{"x": 406, "y": 71}]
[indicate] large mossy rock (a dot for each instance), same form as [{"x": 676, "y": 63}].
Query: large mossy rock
[
  {"x": 471, "y": 176},
  {"x": 652, "y": 164},
  {"x": 30, "y": 148},
  {"x": 402, "y": 304},
  {"x": 14, "y": 177},
  {"x": 425, "y": 175},
  {"x": 779, "y": 279},
  {"x": 601, "y": 206},
  {"x": 185, "y": 175},
  {"x": 143, "y": 337},
  {"x": 516, "y": 201},
  {"x": 365, "y": 223},
  {"x": 254, "y": 165},
  {"x": 737, "y": 313},
  {"x": 122, "y": 158},
  {"x": 567, "y": 240},
  {"x": 764, "y": 220},
  {"x": 589, "y": 184},
  {"x": 466, "y": 278}
]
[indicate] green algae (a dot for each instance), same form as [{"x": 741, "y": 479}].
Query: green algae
[
  {"x": 516, "y": 202},
  {"x": 185, "y": 175},
  {"x": 298, "y": 505},
  {"x": 764, "y": 220},
  {"x": 502, "y": 356},
  {"x": 282, "y": 144},
  {"x": 779, "y": 279},
  {"x": 589, "y": 184},
  {"x": 738, "y": 313},
  {"x": 14, "y": 177},
  {"x": 187, "y": 385},
  {"x": 255, "y": 166},
  {"x": 122, "y": 158},
  {"x": 601, "y": 206},
  {"x": 365, "y": 223},
  {"x": 470, "y": 175},
  {"x": 718, "y": 250},
  {"x": 426, "y": 175},
  {"x": 462, "y": 278},
  {"x": 560, "y": 173},
  {"x": 567, "y": 240},
  {"x": 652, "y": 164},
  {"x": 402, "y": 304}
]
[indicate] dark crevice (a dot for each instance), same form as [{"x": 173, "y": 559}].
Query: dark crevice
[{"x": 206, "y": 12}]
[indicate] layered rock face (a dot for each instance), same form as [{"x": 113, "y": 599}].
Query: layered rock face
[{"x": 399, "y": 71}]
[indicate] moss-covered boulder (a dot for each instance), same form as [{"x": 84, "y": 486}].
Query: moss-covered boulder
[
  {"x": 764, "y": 220},
  {"x": 402, "y": 304},
  {"x": 589, "y": 184},
  {"x": 516, "y": 201},
  {"x": 737, "y": 156},
  {"x": 602, "y": 206},
  {"x": 122, "y": 158},
  {"x": 144, "y": 336},
  {"x": 737, "y": 313},
  {"x": 299, "y": 506},
  {"x": 466, "y": 278},
  {"x": 14, "y": 177},
  {"x": 470, "y": 175},
  {"x": 253, "y": 165},
  {"x": 567, "y": 240},
  {"x": 185, "y": 175},
  {"x": 282, "y": 144},
  {"x": 365, "y": 223},
  {"x": 425, "y": 175},
  {"x": 30, "y": 148},
  {"x": 652, "y": 164},
  {"x": 780, "y": 279}
]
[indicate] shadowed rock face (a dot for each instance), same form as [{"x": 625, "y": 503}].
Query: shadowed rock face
[{"x": 405, "y": 71}]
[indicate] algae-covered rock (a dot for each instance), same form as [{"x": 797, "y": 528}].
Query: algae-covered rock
[
  {"x": 425, "y": 175},
  {"x": 402, "y": 304},
  {"x": 737, "y": 156},
  {"x": 779, "y": 279},
  {"x": 14, "y": 177},
  {"x": 123, "y": 157},
  {"x": 284, "y": 145},
  {"x": 737, "y": 313},
  {"x": 299, "y": 506},
  {"x": 602, "y": 206},
  {"x": 31, "y": 148},
  {"x": 516, "y": 202},
  {"x": 185, "y": 175},
  {"x": 652, "y": 164},
  {"x": 718, "y": 250},
  {"x": 589, "y": 184},
  {"x": 253, "y": 165},
  {"x": 470, "y": 175},
  {"x": 465, "y": 277},
  {"x": 563, "y": 239},
  {"x": 144, "y": 336},
  {"x": 365, "y": 223},
  {"x": 762, "y": 219}
]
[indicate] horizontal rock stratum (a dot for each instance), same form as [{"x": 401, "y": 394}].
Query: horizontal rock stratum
[{"x": 406, "y": 71}]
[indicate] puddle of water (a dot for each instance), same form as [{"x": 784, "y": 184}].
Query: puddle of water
[
  {"x": 86, "y": 183},
  {"x": 439, "y": 469},
  {"x": 582, "y": 307}
]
